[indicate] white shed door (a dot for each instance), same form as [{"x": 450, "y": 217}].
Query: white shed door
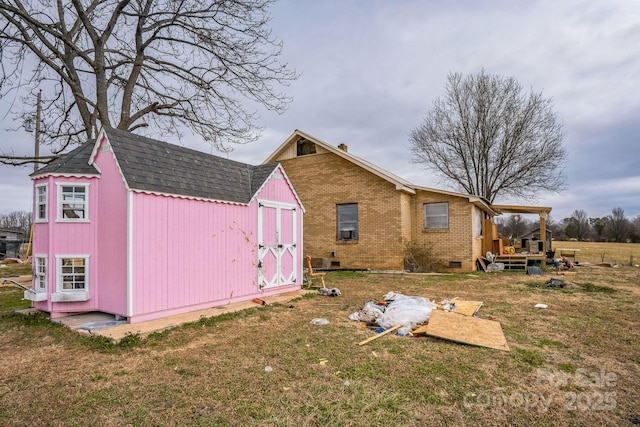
[{"x": 277, "y": 241}]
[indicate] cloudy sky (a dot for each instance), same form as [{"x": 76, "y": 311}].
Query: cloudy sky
[{"x": 371, "y": 70}]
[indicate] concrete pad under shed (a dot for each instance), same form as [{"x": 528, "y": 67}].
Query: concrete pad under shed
[{"x": 104, "y": 324}]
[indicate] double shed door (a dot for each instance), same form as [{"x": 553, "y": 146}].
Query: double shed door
[{"x": 277, "y": 244}]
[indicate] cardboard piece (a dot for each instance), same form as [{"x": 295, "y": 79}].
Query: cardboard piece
[{"x": 466, "y": 329}]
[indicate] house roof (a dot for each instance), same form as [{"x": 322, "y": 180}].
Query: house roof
[
  {"x": 400, "y": 183},
  {"x": 154, "y": 166}
]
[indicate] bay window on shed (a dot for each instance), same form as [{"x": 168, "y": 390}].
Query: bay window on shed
[
  {"x": 347, "y": 220},
  {"x": 436, "y": 216},
  {"x": 72, "y": 281},
  {"x": 42, "y": 204}
]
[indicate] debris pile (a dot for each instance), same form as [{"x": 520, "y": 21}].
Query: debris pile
[
  {"x": 333, "y": 292},
  {"x": 451, "y": 319},
  {"x": 395, "y": 309}
]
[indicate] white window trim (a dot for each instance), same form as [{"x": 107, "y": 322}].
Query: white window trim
[
  {"x": 37, "y": 275},
  {"x": 46, "y": 203},
  {"x": 59, "y": 203},
  {"x": 70, "y": 295},
  {"x": 36, "y": 293},
  {"x": 357, "y": 223},
  {"x": 479, "y": 220},
  {"x": 424, "y": 214}
]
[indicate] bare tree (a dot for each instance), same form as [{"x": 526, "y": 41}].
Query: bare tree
[
  {"x": 490, "y": 139},
  {"x": 578, "y": 225},
  {"x": 617, "y": 227},
  {"x": 138, "y": 63},
  {"x": 512, "y": 226},
  {"x": 16, "y": 220}
]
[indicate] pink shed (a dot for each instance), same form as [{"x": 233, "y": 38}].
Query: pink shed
[{"x": 143, "y": 229}]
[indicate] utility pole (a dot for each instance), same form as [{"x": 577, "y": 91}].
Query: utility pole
[{"x": 37, "y": 135}]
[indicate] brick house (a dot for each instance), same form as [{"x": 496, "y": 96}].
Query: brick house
[{"x": 359, "y": 216}]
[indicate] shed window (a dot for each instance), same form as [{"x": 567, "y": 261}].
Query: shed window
[
  {"x": 73, "y": 202},
  {"x": 41, "y": 203},
  {"x": 436, "y": 216},
  {"x": 40, "y": 272},
  {"x": 72, "y": 274},
  {"x": 347, "y": 221}
]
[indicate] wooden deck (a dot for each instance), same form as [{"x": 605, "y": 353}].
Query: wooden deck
[{"x": 516, "y": 261}]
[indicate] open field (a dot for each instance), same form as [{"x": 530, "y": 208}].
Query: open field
[
  {"x": 598, "y": 252},
  {"x": 575, "y": 363}
]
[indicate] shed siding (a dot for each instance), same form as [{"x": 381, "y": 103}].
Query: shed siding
[
  {"x": 193, "y": 254},
  {"x": 111, "y": 262}
]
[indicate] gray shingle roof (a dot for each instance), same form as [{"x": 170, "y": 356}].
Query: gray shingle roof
[
  {"x": 75, "y": 162},
  {"x": 156, "y": 166}
]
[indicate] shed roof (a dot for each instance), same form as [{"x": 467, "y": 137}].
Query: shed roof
[{"x": 155, "y": 166}]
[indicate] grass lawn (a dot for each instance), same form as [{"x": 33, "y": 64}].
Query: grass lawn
[{"x": 575, "y": 363}]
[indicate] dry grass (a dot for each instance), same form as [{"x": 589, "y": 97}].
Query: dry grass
[
  {"x": 599, "y": 252},
  {"x": 212, "y": 372}
]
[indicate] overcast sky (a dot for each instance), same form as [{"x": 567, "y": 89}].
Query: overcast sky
[{"x": 371, "y": 70}]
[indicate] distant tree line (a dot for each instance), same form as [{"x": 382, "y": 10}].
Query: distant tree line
[
  {"x": 615, "y": 227},
  {"x": 19, "y": 221}
]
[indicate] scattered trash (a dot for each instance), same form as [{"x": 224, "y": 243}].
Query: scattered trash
[
  {"x": 375, "y": 337},
  {"x": 319, "y": 321},
  {"x": 333, "y": 292},
  {"x": 447, "y": 305},
  {"x": 323, "y": 362},
  {"x": 541, "y": 306},
  {"x": 534, "y": 271},
  {"x": 494, "y": 266},
  {"x": 468, "y": 308},
  {"x": 268, "y": 369},
  {"x": 555, "y": 283},
  {"x": 347, "y": 383},
  {"x": 413, "y": 316},
  {"x": 369, "y": 313},
  {"x": 407, "y": 311},
  {"x": 258, "y": 301}
]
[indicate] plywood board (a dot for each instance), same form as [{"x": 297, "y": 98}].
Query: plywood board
[
  {"x": 466, "y": 330},
  {"x": 467, "y": 308},
  {"x": 483, "y": 264}
]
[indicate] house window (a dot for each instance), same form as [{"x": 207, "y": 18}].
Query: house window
[
  {"x": 347, "y": 221},
  {"x": 40, "y": 274},
  {"x": 305, "y": 147},
  {"x": 72, "y": 274},
  {"x": 41, "y": 203},
  {"x": 479, "y": 217},
  {"x": 73, "y": 202},
  {"x": 436, "y": 216}
]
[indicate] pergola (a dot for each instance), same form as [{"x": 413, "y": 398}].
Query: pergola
[{"x": 542, "y": 211}]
